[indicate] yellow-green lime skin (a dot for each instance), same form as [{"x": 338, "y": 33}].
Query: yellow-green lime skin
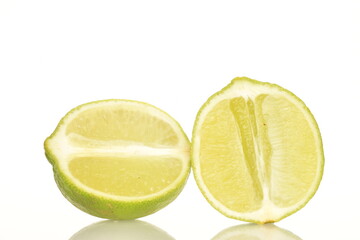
[{"x": 106, "y": 207}]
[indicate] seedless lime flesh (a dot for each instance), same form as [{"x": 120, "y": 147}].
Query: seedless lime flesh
[{"x": 119, "y": 159}]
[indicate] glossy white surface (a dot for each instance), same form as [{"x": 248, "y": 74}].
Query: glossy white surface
[{"x": 55, "y": 55}]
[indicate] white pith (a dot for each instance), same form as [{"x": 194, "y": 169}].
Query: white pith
[{"x": 249, "y": 90}]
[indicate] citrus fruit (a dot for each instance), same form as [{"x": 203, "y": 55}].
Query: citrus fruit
[
  {"x": 256, "y": 151},
  {"x": 119, "y": 159},
  {"x": 255, "y": 231}
]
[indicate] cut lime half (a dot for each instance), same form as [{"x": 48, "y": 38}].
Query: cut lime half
[
  {"x": 256, "y": 151},
  {"x": 119, "y": 159}
]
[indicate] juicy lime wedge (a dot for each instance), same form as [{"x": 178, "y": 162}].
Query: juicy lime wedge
[
  {"x": 119, "y": 159},
  {"x": 257, "y": 151}
]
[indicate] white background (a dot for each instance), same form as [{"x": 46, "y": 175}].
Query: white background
[{"x": 55, "y": 55}]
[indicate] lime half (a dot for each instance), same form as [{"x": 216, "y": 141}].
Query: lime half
[
  {"x": 119, "y": 159},
  {"x": 257, "y": 153}
]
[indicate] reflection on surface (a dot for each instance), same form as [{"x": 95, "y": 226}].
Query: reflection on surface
[
  {"x": 255, "y": 232},
  {"x": 130, "y": 230}
]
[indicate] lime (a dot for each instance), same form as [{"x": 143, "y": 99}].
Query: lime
[
  {"x": 256, "y": 151},
  {"x": 119, "y": 159}
]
